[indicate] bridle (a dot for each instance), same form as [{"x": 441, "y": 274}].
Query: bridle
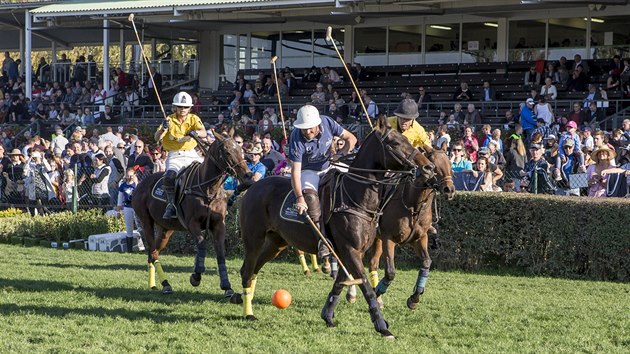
[{"x": 221, "y": 159}]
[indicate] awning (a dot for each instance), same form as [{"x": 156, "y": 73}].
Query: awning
[{"x": 94, "y": 8}]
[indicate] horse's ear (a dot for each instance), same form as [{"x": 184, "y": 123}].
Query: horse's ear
[
  {"x": 231, "y": 132},
  {"x": 444, "y": 148},
  {"x": 217, "y": 136},
  {"x": 382, "y": 123}
]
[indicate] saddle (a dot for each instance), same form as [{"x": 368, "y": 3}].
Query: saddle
[
  {"x": 183, "y": 180},
  {"x": 327, "y": 186}
]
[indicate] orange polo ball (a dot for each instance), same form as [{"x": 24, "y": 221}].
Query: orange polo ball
[{"x": 281, "y": 299}]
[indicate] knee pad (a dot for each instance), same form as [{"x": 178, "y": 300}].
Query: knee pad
[{"x": 312, "y": 200}]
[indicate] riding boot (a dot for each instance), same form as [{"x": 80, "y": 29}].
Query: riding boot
[
  {"x": 168, "y": 185},
  {"x": 314, "y": 211}
]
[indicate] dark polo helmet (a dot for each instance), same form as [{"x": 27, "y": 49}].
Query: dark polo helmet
[{"x": 407, "y": 109}]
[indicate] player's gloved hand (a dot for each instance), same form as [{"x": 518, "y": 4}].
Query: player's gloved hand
[
  {"x": 165, "y": 124},
  {"x": 194, "y": 134}
]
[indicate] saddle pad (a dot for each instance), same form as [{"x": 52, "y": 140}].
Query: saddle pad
[
  {"x": 288, "y": 211},
  {"x": 157, "y": 192}
]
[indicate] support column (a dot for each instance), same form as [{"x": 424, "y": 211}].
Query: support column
[
  {"x": 122, "y": 48},
  {"x": 209, "y": 60},
  {"x": 21, "y": 50},
  {"x": 28, "y": 73},
  {"x": 106, "y": 54},
  {"x": 502, "y": 39},
  {"x": 348, "y": 45},
  {"x": 53, "y": 62}
]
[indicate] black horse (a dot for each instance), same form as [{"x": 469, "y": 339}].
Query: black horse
[
  {"x": 352, "y": 224},
  {"x": 203, "y": 206}
]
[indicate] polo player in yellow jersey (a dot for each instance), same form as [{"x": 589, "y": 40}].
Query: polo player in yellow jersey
[
  {"x": 404, "y": 121},
  {"x": 176, "y": 134}
]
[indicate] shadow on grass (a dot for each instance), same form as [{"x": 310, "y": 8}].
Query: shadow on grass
[
  {"x": 156, "y": 315},
  {"x": 125, "y": 294},
  {"x": 135, "y": 267}
]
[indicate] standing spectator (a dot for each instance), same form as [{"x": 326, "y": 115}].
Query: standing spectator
[
  {"x": 543, "y": 111},
  {"x": 515, "y": 159},
  {"x": 488, "y": 177},
  {"x": 37, "y": 182},
  {"x": 6, "y": 63},
  {"x": 140, "y": 161},
  {"x": 100, "y": 179},
  {"x": 597, "y": 177},
  {"x": 576, "y": 115},
  {"x": 157, "y": 78},
  {"x": 125, "y": 194},
  {"x": 259, "y": 171},
  {"x": 444, "y": 139},
  {"x": 159, "y": 163},
  {"x": 568, "y": 163},
  {"x": 528, "y": 119},
  {"x": 470, "y": 144},
  {"x": 536, "y": 172},
  {"x": 270, "y": 157}
]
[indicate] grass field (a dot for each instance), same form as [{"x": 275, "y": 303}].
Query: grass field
[{"x": 76, "y": 301}]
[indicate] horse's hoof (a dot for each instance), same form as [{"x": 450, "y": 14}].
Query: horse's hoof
[
  {"x": 251, "y": 318},
  {"x": 411, "y": 304},
  {"x": 316, "y": 270},
  {"x": 379, "y": 299},
  {"x": 229, "y": 293},
  {"x": 329, "y": 323},
  {"x": 387, "y": 334},
  {"x": 236, "y": 299},
  {"x": 154, "y": 288},
  {"x": 351, "y": 298},
  {"x": 195, "y": 279},
  {"x": 307, "y": 273},
  {"x": 326, "y": 267},
  {"x": 167, "y": 290}
]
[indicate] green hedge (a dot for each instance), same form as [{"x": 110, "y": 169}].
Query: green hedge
[
  {"x": 542, "y": 235},
  {"x": 59, "y": 227}
]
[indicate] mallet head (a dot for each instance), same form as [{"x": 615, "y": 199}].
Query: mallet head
[
  {"x": 329, "y": 33},
  {"x": 273, "y": 59},
  {"x": 130, "y": 18}
]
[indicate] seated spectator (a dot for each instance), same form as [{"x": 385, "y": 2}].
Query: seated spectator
[
  {"x": 587, "y": 138},
  {"x": 319, "y": 96},
  {"x": 536, "y": 173},
  {"x": 548, "y": 90},
  {"x": 532, "y": 79},
  {"x": 459, "y": 114},
  {"x": 452, "y": 123},
  {"x": 495, "y": 157},
  {"x": 371, "y": 106},
  {"x": 487, "y": 177},
  {"x": 596, "y": 174},
  {"x": 579, "y": 63},
  {"x": 553, "y": 74},
  {"x": 424, "y": 98},
  {"x": 472, "y": 117},
  {"x": 613, "y": 83},
  {"x": 270, "y": 157},
  {"x": 576, "y": 115},
  {"x": 593, "y": 116},
  {"x": 577, "y": 82},
  {"x": 488, "y": 93},
  {"x": 463, "y": 93}
]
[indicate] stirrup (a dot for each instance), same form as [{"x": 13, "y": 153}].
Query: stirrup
[{"x": 170, "y": 212}]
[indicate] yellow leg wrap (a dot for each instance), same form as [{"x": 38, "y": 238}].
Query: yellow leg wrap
[
  {"x": 374, "y": 278},
  {"x": 247, "y": 302},
  {"x": 151, "y": 276},
  {"x": 160, "y": 272},
  {"x": 314, "y": 262},
  {"x": 303, "y": 263},
  {"x": 253, "y": 287}
]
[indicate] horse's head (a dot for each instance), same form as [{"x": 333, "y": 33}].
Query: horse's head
[
  {"x": 442, "y": 181},
  {"x": 398, "y": 153},
  {"x": 229, "y": 155}
]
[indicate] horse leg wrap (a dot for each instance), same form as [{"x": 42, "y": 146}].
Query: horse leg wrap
[
  {"x": 200, "y": 259},
  {"x": 377, "y": 317},
  {"x": 303, "y": 264},
  {"x": 253, "y": 286},
  {"x": 374, "y": 278},
  {"x": 382, "y": 286},
  {"x": 314, "y": 263},
  {"x": 247, "y": 302},
  {"x": 223, "y": 276},
  {"x": 328, "y": 312},
  {"x": 334, "y": 267},
  {"x": 151, "y": 269},
  {"x": 421, "y": 282},
  {"x": 160, "y": 272}
]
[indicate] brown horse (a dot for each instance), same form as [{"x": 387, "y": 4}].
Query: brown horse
[
  {"x": 408, "y": 218},
  {"x": 203, "y": 207},
  {"x": 351, "y": 225}
]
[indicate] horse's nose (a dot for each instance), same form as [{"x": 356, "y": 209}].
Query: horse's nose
[{"x": 448, "y": 191}]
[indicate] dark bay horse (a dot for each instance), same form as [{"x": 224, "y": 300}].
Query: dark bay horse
[
  {"x": 351, "y": 226},
  {"x": 203, "y": 207},
  {"x": 407, "y": 219}
]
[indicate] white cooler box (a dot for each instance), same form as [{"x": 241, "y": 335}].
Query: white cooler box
[{"x": 114, "y": 242}]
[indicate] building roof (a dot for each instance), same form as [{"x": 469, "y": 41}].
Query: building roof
[{"x": 77, "y": 8}]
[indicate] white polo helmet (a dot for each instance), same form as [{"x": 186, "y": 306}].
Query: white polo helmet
[
  {"x": 307, "y": 117},
  {"x": 182, "y": 99}
]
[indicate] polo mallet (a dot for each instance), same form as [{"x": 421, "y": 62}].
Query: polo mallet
[
  {"x": 330, "y": 38},
  {"x": 351, "y": 281},
  {"x": 146, "y": 63},
  {"x": 275, "y": 75}
]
